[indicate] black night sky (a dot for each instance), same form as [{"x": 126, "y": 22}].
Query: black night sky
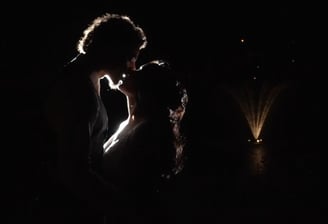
[{"x": 216, "y": 47}]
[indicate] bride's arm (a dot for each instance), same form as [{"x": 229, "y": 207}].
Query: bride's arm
[{"x": 113, "y": 139}]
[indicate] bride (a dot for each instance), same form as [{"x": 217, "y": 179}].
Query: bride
[{"x": 147, "y": 148}]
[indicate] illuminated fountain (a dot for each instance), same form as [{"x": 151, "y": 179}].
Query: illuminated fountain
[
  {"x": 255, "y": 102},
  {"x": 255, "y": 99}
]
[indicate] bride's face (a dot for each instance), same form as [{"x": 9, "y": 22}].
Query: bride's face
[{"x": 116, "y": 78}]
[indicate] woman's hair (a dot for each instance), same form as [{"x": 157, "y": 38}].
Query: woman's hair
[
  {"x": 111, "y": 38},
  {"x": 161, "y": 93}
]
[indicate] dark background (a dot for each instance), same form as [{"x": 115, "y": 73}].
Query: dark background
[{"x": 283, "y": 45}]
